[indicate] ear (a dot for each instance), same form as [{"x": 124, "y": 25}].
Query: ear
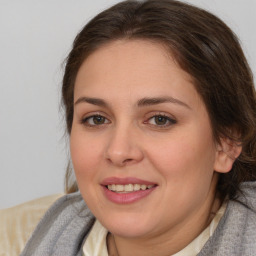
[{"x": 227, "y": 151}]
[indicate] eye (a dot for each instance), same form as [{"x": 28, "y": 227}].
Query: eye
[
  {"x": 95, "y": 120},
  {"x": 161, "y": 120}
]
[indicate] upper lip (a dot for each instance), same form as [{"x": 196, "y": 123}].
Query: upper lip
[{"x": 125, "y": 181}]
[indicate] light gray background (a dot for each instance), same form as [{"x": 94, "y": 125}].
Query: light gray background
[{"x": 35, "y": 37}]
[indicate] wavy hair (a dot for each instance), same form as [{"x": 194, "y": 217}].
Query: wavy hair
[{"x": 204, "y": 47}]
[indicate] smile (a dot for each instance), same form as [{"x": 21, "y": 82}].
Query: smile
[
  {"x": 127, "y": 190},
  {"x": 119, "y": 188}
]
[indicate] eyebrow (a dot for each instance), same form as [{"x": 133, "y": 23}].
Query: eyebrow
[
  {"x": 93, "y": 101},
  {"x": 154, "y": 101},
  {"x": 141, "y": 103}
]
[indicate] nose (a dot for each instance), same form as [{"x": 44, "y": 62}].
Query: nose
[{"x": 123, "y": 147}]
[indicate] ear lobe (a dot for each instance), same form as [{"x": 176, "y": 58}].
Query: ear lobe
[{"x": 226, "y": 154}]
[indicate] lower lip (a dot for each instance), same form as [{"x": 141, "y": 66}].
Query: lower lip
[{"x": 126, "y": 198}]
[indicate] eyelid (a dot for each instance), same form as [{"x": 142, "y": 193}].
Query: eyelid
[
  {"x": 86, "y": 117},
  {"x": 172, "y": 120}
]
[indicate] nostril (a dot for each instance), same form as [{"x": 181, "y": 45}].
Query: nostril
[{"x": 128, "y": 160}]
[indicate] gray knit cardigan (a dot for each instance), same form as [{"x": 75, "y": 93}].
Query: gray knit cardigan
[{"x": 65, "y": 226}]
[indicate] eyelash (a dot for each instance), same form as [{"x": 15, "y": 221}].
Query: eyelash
[
  {"x": 170, "y": 121},
  {"x": 85, "y": 121}
]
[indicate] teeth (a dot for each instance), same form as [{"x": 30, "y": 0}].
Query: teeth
[
  {"x": 136, "y": 187},
  {"x": 119, "y": 188},
  {"x": 128, "y": 187},
  {"x": 143, "y": 187}
]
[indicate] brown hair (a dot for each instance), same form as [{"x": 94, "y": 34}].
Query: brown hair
[{"x": 204, "y": 47}]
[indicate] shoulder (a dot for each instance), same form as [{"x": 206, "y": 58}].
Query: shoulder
[
  {"x": 248, "y": 195},
  {"x": 236, "y": 232},
  {"x": 18, "y": 222},
  {"x": 63, "y": 228}
]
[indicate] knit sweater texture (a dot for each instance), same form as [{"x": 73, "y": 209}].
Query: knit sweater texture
[{"x": 65, "y": 226}]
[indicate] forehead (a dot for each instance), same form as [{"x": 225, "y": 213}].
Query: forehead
[{"x": 137, "y": 68}]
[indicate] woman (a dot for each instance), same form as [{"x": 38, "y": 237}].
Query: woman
[{"x": 160, "y": 110}]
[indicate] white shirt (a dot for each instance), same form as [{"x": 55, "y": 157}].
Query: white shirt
[{"x": 96, "y": 243}]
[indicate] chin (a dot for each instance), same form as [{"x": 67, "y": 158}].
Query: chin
[
  {"x": 129, "y": 226},
  {"x": 130, "y": 232}
]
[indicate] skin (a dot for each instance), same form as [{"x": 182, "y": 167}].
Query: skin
[{"x": 181, "y": 156}]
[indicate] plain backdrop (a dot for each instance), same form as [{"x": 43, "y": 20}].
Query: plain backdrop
[{"x": 35, "y": 38}]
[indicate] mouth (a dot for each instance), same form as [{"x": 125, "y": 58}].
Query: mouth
[{"x": 128, "y": 188}]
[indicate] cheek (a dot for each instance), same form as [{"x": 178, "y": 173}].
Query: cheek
[
  {"x": 185, "y": 157},
  {"x": 186, "y": 167},
  {"x": 85, "y": 155}
]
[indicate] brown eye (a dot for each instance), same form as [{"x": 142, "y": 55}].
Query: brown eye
[
  {"x": 98, "y": 120},
  {"x": 95, "y": 120},
  {"x": 161, "y": 120}
]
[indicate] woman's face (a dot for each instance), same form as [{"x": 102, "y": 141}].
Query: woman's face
[{"x": 141, "y": 141}]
